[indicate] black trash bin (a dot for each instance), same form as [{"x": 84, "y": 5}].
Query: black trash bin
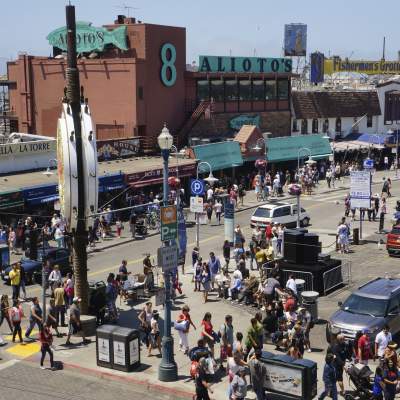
[
  {"x": 104, "y": 345},
  {"x": 126, "y": 349},
  {"x": 356, "y": 236}
]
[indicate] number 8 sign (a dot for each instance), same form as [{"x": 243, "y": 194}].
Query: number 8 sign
[{"x": 168, "y": 64}]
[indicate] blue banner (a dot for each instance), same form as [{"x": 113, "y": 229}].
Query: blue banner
[{"x": 182, "y": 237}]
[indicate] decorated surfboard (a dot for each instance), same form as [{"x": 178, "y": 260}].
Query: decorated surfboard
[
  {"x": 89, "y": 165},
  {"x": 67, "y": 167}
]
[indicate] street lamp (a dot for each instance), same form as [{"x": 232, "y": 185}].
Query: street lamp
[
  {"x": 168, "y": 370},
  {"x": 175, "y": 149},
  {"x": 48, "y": 171},
  {"x": 390, "y": 132},
  {"x": 210, "y": 180},
  {"x": 302, "y": 149}
]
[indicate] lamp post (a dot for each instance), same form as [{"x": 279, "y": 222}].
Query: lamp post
[
  {"x": 390, "y": 132},
  {"x": 48, "y": 171},
  {"x": 302, "y": 149},
  {"x": 257, "y": 147},
  {"x": 211, "y": 180},
  {"x": 168, "y": 370},
  {"x": 175, "y": 149}
]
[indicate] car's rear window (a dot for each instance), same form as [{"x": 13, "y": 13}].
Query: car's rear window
[{"x": 262, "y": 213}]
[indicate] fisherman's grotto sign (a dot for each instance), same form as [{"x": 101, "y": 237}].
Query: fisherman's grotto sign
[{"x": 89, "y": 38}]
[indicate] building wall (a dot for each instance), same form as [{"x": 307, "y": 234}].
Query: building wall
[{"x": 382, "y": 127}]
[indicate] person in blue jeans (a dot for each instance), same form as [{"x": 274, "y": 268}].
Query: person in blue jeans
[
  {"x": 329, "y": 378},
  {"x": 35, "y": 317}
]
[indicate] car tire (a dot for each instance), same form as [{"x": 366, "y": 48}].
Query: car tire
[
  {"x": 327, "y": 334},
  {"x": 29, "y": 279},
  {"x": 305, "y": 222}
]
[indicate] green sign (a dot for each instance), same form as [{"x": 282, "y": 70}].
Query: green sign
[
  {"x": 89, "y": 38},
  {"x": 244, "y": 64},
  {"x": 237, "y": 122},
  {"x": 169, "y": 223}
]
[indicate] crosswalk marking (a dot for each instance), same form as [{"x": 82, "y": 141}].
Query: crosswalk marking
[
  {"x": 24, "y": 350},
  {"x": 8, "y": 364}
]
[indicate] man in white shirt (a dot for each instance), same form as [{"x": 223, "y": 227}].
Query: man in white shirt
[
  {"x": 55, "y": 220},
  {"x": 210, "y": 194},
  {"x": 291, "y": 284},
  {"x": 383, "y": 338}
]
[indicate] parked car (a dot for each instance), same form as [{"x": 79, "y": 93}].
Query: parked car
[
  {"x": 371, "y": 306},
  {"x": 33, "y": 268},
  {"x": 393, "y": 241},
  {"x": 280, "y": 213}
]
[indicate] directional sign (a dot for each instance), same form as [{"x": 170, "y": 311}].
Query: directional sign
[
  {"x": 167, "y": 257},
  {"x": 197, "y": 187},
  {"x": 360, "y": 189},
  {"x": 368, "y": 163},
  {"x": 169, "y": 223},
  {"x": 196, "y": 204}
]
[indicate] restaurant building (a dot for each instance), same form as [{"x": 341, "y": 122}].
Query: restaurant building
[{"x": 136, "y": 78}]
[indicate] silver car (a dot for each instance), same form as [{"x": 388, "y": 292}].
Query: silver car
[{"x": 371, "y": 306}]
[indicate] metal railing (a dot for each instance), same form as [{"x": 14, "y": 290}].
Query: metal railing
[
  {"x": 336, "y": 277},
  {"x": 284, "y": 276}
]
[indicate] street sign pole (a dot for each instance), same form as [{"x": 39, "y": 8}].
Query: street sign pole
[
  {"x": 197, "y": 187},
  {"x": 197, "y": 231}
]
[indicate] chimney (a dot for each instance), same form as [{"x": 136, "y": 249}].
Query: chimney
[{"x": 120, "y": 20}]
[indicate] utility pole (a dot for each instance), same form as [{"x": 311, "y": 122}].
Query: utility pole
[{"x": 79, "y": 240}]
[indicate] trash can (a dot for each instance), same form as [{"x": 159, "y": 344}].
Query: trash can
[
  {"x": 310, "y": 303},
  {"x": 356, "y": 235},
  {"x": 104, "y": 349},
  {"x": 126, "y": 349},
  {"x": 300, "y": 283}
]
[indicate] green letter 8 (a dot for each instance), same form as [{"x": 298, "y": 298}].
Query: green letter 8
[{"x": 168, "y": 64}]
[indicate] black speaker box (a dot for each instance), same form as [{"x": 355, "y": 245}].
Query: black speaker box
[
  {"x": 311, "y": 248},
  {"x": 292, "y": 246}
]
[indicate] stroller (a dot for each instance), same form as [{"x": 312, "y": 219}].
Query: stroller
[{"x": 360, "y": 378}]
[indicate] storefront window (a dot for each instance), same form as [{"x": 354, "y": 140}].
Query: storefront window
[
  {"x": 217, "y": 90},
  {"x": 283, "y": 89},
  {"x": 258, "y": 90},
  {"x": 231, "y": 90},
  {"x": 270, "y": 90},
  {"x": 203, "y": 90},
  {"x": 245, "y": 90}
]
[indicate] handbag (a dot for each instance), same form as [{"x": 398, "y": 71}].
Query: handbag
[
  {"x": 215, "y": 337},
  {"x": 181, "y": 326}
]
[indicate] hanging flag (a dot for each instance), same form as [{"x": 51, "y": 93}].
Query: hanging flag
[{"x": 182, "y": 237}]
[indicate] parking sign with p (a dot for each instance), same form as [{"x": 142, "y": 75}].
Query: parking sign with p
[{"x": 197, "y": 187}]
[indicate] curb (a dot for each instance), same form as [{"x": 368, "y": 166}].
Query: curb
[{"x": 341, "y": 188}]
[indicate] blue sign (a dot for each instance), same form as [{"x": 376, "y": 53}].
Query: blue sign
[
  {"x": 368, "y": 163},
  {"x": 197, "y": 187},
  {"x": 229, "y": 221}
]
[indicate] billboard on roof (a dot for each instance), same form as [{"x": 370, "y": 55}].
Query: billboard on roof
[{"x": 295, "y": 40}]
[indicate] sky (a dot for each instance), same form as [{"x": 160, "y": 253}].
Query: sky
[{"x": 349, "y": 28}]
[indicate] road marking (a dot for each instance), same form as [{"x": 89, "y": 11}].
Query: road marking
[
  {"x": 24, "y": 350},
  {"x": 33, "y": 333},
  {"x": 8, "y": 364}
]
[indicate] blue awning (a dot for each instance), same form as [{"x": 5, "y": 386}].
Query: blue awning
[
  {"x": 40, "y": 194},
  {"x": 219, "y": 155}
]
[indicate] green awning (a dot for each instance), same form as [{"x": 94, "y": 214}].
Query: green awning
[
  {"x": 220, "y": 155},
  {"x": 11, "y": 199},
  {"x": 291, "y": 147}
]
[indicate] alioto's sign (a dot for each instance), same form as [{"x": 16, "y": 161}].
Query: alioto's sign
[
  {"x": 244, "y": 64},
  {"x": 89, "y": 38}
]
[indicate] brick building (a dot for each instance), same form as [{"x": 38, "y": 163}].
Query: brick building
[{"x": 134, "y": 90}]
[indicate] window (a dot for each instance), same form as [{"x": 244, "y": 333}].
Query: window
[
  {"x": 231, "y": 90},
  {"x": 283, "y": 89},
  {"x": 338, "y": 125},
  {"x": 315, "y": 125},
  {"x": 140, "y": 92},
  {"x": 392, "y": 107},
  {"x": 203, "y": 90},
  {"x": 258, "y": 90},
  {"x": 295, "y": 210},
  {"x": 217, "y": 90},
  {"x": 325, "y": 126},
  {"x": 270, "y": 90},
  {"x": 393, "y": 306},
  {"x": 304, "y": 127},
  {"x": 369, "y": 121},
  {"x": 262, "y": 213},
  {"x": 356, "y": 304},
  {"x": 295, "y": 128},
  {"x": 285, "y": 211},
  {"x": 245, "y": 90},
  {"x": 278, "y": 212}
]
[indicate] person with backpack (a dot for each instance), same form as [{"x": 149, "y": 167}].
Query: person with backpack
[
  {"x": 202, "y": 386},
  {"x": 16, "y": 315},
  {"x": 35, "y": 318},
  {"x": 258, "y": 372},
  {"x": 46, "y": 340}
]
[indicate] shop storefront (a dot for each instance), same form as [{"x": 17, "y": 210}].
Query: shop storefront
[{"x": 11, "y": 201}]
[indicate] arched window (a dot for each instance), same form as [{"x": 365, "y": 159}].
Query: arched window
[
  {"x": 325, "y": 126},
  {"x": 304, "y": 127},
  {"x": 315, "y": 125}
]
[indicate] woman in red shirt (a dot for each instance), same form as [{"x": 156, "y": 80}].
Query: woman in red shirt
[
  {"x": 46, "y": 339},
  {"x": 185, "y": 320},
  {"x": 207, "y": 332}
]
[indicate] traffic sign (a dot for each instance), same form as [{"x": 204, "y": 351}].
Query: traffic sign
[
  {"x": 169, "y": 223},
  {"x": 368, "y": 163},
  {"x": 196, "y": 204},
  {"x": 167, "y": 257},
  {"x": 197, "y": 187}
]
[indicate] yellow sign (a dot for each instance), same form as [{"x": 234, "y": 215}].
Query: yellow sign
[{"x": 368, "y": 67}]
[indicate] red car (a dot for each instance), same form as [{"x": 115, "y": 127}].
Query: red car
[{"x": 393, "y": 241}]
